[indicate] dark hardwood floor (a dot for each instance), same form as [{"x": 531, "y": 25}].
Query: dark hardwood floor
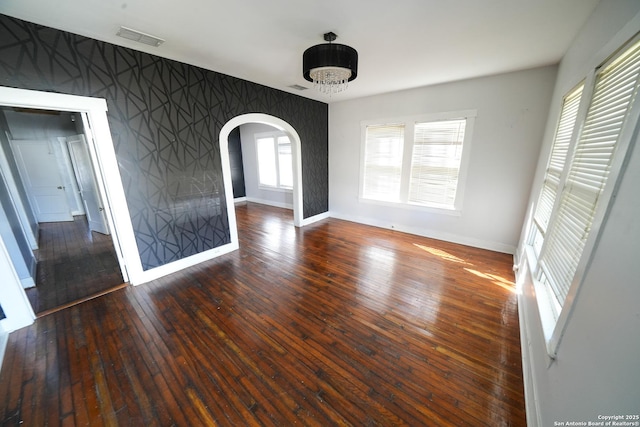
[
  {"x": 333, "y": 324},
  {"x": 74, "y": 264}
]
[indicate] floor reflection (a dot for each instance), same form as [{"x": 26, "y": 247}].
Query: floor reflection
[{"x": 393, "y": 311}]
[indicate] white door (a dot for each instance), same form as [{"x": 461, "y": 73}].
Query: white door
[
  {"x": 39, "y": 168},
  {"x": 87, "y": 184}
]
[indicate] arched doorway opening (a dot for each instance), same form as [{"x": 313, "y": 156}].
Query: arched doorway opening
[{"x": 226, "y": 168}]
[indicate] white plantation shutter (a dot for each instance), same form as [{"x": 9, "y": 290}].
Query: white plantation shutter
[
  {"x": 383, "y": 162},
  {"x": 559, "y": 152},
  {"x": 615, "y": 91},
  {"x": 435, "y": 163}
]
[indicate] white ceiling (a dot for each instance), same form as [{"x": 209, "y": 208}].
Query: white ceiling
[{"x": 402, "y": 44}]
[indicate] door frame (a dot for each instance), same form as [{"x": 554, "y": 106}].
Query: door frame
[
  {"x": 76, "y": 168},
  {"x": 105, "y": 165}
]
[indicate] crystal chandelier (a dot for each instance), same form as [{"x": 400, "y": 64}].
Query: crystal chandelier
[{"x": 330, "y": 66}]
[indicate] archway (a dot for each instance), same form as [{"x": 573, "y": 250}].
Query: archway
[{"x": 226, "y": 168}]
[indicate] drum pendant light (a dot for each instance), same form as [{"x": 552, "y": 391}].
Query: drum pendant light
[{"x": 330, "y": 66}]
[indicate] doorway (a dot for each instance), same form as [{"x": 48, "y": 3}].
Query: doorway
[
  {"x": 296, "y": 162},
  {"x": 13, "y": 298},
  {"x": 262, "y": 165},
  {"x": 46, "y": 160}
]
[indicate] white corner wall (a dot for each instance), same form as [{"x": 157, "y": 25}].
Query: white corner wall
[
  {"x": 597, "y": 369},
  {"x": 15, "y": 304},
  {"x": 511, "y": 112}
]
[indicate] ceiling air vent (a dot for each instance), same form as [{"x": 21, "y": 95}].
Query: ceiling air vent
[
  {"x": 298, "y": 87},
  {"x": 140, "y": 37}
]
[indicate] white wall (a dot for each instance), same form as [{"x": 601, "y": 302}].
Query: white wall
[
  {"x": 511, "y": 112},
  {"x": 597, "y": 369},
  {"x": 16, "y": 243},
  {"x": 14, "y": 301},
  {"x": 280, "y": 198}
]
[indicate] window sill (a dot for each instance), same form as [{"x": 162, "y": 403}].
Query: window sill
[
  {"x": 412, "y": 207},
  {"x": 275, "y": 189}
]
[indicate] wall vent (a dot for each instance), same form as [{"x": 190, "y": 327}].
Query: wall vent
[{"x": 140, "y": 37}]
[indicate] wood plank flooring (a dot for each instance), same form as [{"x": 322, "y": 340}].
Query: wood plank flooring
[
  {"x": 74, "y": 264},
  {"x": 333, "y": 324}
]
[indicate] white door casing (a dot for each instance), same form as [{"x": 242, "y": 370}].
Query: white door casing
[{"x": 87, "y": 185}]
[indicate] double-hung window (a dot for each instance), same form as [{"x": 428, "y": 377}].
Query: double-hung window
[
  {"x": 555, "y": 168},
  {"x": 275, "y": 168},
  {"x": 416, "y": 161},
  {"x": 594, "y": 132}
]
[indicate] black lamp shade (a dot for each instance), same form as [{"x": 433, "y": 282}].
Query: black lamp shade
[{"x": 330, "y": 55}]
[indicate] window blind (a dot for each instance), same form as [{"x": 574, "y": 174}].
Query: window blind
[
  {"x": 383, "y": 162},
  {"x": 285, "y": 162},
  {"x": 615, "y": 91},
  {"x": 559, "y": 152},
  {"x": 435, "y": 162}
]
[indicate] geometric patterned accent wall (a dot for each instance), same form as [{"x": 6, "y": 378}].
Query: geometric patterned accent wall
[
  {"x": 237, "y": 166},
  {"x": 165, "y": 119}
]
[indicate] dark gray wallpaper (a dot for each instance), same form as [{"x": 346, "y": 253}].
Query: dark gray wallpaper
[
  {"x": 235, "y": 161},
  {"x": 165, "y": 119}
]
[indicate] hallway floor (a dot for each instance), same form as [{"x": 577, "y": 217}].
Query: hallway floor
[{"x": 74, "y": 264}]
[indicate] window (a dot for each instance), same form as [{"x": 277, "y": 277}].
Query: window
[
  {"x": 417, "y": 162},
  {"x": 435, "y": 162},
  {"x": 383, "y": 162},
  {"x": 275, "y": 168},
  {"x": 577, "y": 189},
  {"x": 553, "y": 174}
]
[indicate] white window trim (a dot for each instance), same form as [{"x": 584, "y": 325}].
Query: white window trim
[
  {"x": 275, "y": 135},
  {"x": 554, "y": 326},
  {"x": 275, "y": 189},
  {"x": 409, "y": 121}
]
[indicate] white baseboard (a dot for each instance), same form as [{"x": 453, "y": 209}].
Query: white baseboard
[
  {"x": 531, "y": 407},
  {"x": 270, "y": 203},
  {"x": 527, "y": 335},
  {"x": 239, "y": 200},
  {"x": 4, "y": 339},
  {"x": 27, "y": 282},
  {"x": 173, "y": 267},
  {"x": 315, "y": 218},
  {"x": 433, "y": 234}
]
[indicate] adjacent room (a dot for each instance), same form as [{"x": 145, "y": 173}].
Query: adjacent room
[{"x": 262, "y": 213}]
